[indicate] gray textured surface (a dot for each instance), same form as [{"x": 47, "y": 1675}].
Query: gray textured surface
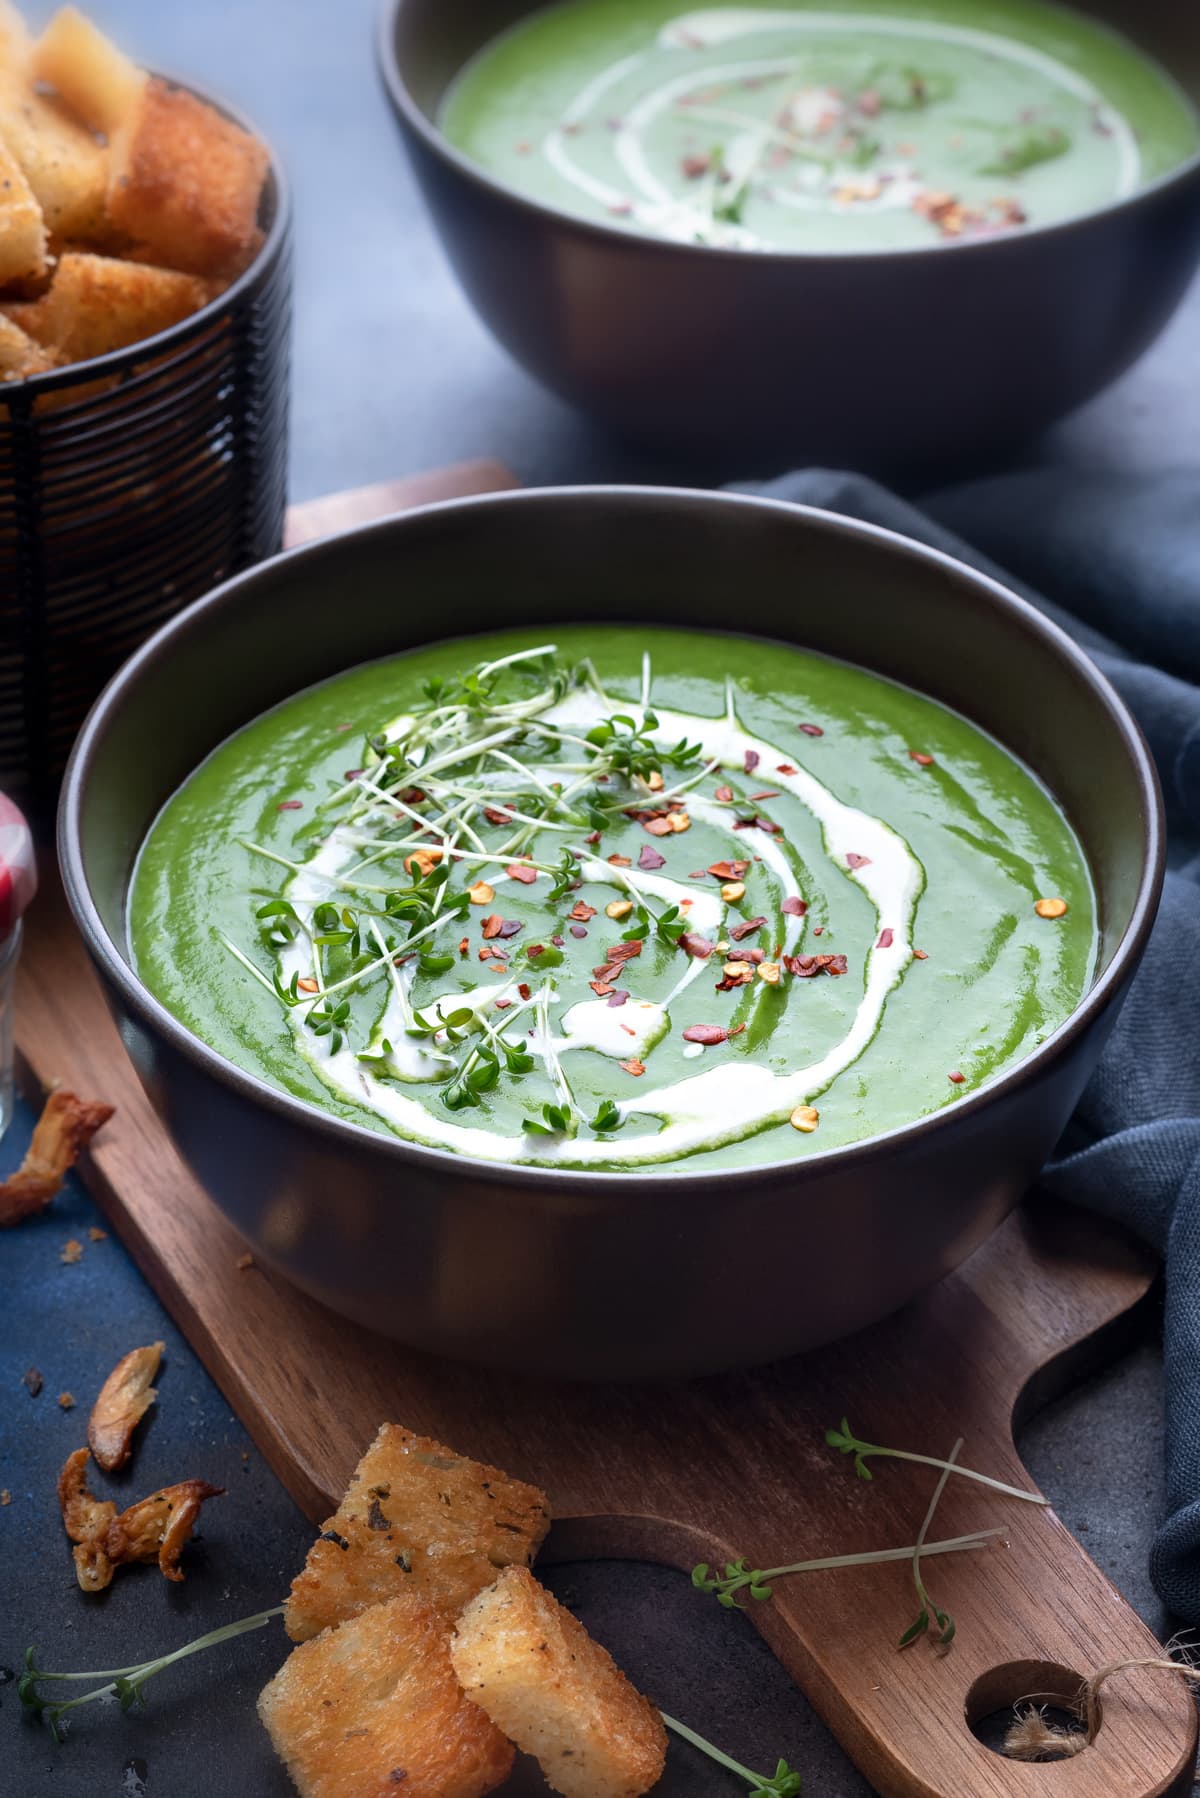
[{"x": 392, "y": 373}]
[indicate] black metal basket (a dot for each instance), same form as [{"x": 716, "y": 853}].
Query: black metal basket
[{"x": 129, "y": 486}]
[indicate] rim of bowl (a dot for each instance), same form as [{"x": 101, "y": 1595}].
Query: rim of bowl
[
  {"x": 662, "y": 1179},
  {"x": 417, "y": 121},
  {"x": 116, "y": 361}
]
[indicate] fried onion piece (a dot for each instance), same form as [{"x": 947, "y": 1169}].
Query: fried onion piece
[
  {"x": 66, "y": 1126},
  {"x": 157, "y": 1528},
  {"x": 85, "y": 1519},
  {"x": 154, "y": 1529},
  {"x": 124, "y": 1399}
]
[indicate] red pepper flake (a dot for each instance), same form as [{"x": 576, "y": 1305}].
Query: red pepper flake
[
  {"x": 795, "y": 907},
  {"x": 786, "y": 768},
  {"x": 636, "y": 1068},
  {"x": 534, "y": 950},
  {"x": 617, "y": 997},
  {"x": 747, "y": 929},
  {"x": 486, "y": 954},
  {"x": 728, "y": 870},
  {"x": 593, "y": 837},
  {"x": 885, "y": 940},
  {"x": 511, "y": 927},
  {"x": 497, "y": 814},
  {"x": 523, "y": 872},
  {"x": 577, "y": 930},
  {"x": 525, "y": 991},
  {"x": 619, "y": 861},
  {"x": 582, "y": 911},
  {"x": 757, "y": 798},
  {"x": 812, "y": 730},
  {"x": 820, "y": 930},
  {"x": 649, "y": 859},
  {"x": 657, "y": 825},
  {"x": 307, "y": 986},
  {"x": 464, "y": 947},
  {"x": 492, "y": 926},
  {"x": 290, "y": 805},
  {"x": 724, "y": 794},
  {"x": 352, "y": 774},
  {"x": 957, "y": 1079},
  {"x": 698, "y": 947},
  {"x": 625, "y": 951},
  {"x": 503, "y": 1004},
  {"x": 752, "y": 760},
  {"x": 557, "y": 941},
  {"x": 807, "y": 967},
  {"x": 922, "y": 760},
  {"x": 694, "y": 167},
  {"x": 772, "y": 830},
  {"x": 920, "y": 955},
  {"x": 706, "y": 1034},
  {"x": 858, "y": 861}
]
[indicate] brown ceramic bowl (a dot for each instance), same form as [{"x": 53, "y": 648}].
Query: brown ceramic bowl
[
  {"x": 627, "y": 1273},
  {"x": 714, "y": 352}
]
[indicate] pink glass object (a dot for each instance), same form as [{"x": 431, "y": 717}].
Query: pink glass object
[{"x": 18, "y": 884}]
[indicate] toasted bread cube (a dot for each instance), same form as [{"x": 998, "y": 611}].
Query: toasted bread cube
[
  {"x": 22, "y": 227},
  {"x": 373, "y": 1708},
  {"x": 187, "y": 183},
  {"x": 94, "y": 79},
  {"x": 20, "y": 355},
  {"x": 96, "y": 304},
  {"x": 557, "y": 1694},
  {"x": 416, "y": 1518},
  {"x": 62, "y": 162}
]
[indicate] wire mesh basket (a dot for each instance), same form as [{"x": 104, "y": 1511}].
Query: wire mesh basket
[{"x": 129, "y": 486}]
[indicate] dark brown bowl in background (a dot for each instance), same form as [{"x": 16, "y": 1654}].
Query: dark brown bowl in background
[
  {"x": 890, "y": 361},
  {"x": 609, "y": 1274},
  {"x": 130, "y": 485}
]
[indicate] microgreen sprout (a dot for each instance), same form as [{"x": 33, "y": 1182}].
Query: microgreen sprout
[
  {"x": 945, "y": 1622},
  {"x": 844, "y": 1439},
  {"x": 554, "y": 1120},
  {"x": 739, "y": 1577},
  {"x": 624, "y": 747},
  {"x": 126, "y": 1684},
  {"x": 783, "y": 1783},
  {"x": 607, "y": 1118}
]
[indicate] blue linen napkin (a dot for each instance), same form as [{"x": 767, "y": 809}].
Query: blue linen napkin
[{"x": 1116, "y": 562}]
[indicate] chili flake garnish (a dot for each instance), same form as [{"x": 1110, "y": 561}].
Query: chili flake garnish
[
  {"x": 307, "y": 985},
  {"x": 636, "y": 1068},
  {"x": 746, "y": 929},
  {"x": 811, "y": 730},
  {"x": 582, "y": 911},
  {"x": 732, "y": 891},
  {"x": 577, "y": 930},
  {"x": 1051, "y": 908},
  {"x": 886, "y": 939},
  {"x": 464, "y": 947},
  {"x": 696, "y": 946},
  {"x": 497, "y": 814},
  {"x": 858, "y": 861},
  {"x": 758, "y": 798},
  {"x": 617, "y": 997},
  {"x": 521, "y": 871},
  {"x": 920, "y": 955},
  {"x": 423, "y": 860},
  {"x": 786, "y": 768},
  {"x": 728, "y": 870},
  {"x": 481, "y": 893},
  {"x": 601, "y": 988},
  {"x": 806, "y": 967},
  {"x": 922, "y": 760},
  {"x": 658, "y": 824},
  {"x": 805, "y": 1118},
  {"x": 724, "y": 794},
  {"x": 491, "y": 926},
  {"x": 752, "y": 760},
  {"x": 654, "y": 781},
  {"x": 619, "y": 908},
  {"x": 290, "y": 805},
  {"x": 525, "y": 991},
  {"x": 769, "y": 971},
  {"x": 619, "y": 861},
  {"x": 795, "y": 907},
  {"x": 958, "y": 1079},
  {"x": 649, "y": 859},
  {"x": 710, "y": 1034}
]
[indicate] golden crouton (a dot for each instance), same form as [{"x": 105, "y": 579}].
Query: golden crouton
[
  {"x": 557, "y": 1694},
  {"x": 94, "y": 79},
  {"x": 62, "y": 162},
  {"x": 20, "y": 355},
  {"x": 419, "y": 1519},
  {"x": 22, "y": 228},
  {"x": 96, "y": 304},
  {"x": 373, "y": 1708},
  {"x": 186, "y": 183}
]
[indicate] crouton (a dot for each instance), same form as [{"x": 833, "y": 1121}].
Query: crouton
[
  {"x": 96, "y": 304},
  {"x": 61, "y": 160},
  {"x": 418, "y": 1519},
  {"x": 373, "y": 1708},
  {"x": 94, "y": 80},
  {"x": 22, "y": 227},
  {"x": 186, "y": 183},
  {"x": 20, "y": 356},
  {"x": 557, "y": 1694}
]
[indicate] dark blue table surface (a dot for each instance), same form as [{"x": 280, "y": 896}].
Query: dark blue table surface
[{"x": 393, "y": 374}]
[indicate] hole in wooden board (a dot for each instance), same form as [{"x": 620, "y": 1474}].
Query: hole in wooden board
[{"x": 1001, "y": 1696}]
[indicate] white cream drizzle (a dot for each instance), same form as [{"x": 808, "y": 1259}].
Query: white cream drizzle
[
  {"x": 684, "y": 218},
  {"x": 703, "y": 1111}
]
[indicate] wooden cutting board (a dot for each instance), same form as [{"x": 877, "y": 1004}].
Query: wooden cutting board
[{"x": 714, "y": 1469}]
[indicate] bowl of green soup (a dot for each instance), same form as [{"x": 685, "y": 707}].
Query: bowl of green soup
[
  {"x": 679, "y": 977},
  {"x": 892, "y": 232}
]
